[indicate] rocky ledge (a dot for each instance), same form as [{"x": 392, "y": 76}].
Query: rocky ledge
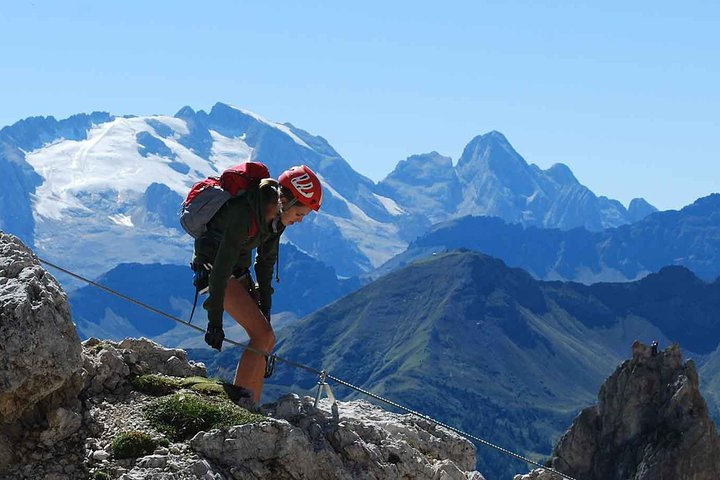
[{"x": 136, "y": 410}]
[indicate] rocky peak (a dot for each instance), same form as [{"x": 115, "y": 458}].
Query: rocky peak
[
  {"x": 423, "y": 170},
  {"x": 562, "y": 174},
  {"x": 491, "y": 150},
  {"x": 651, "y": 422},
  {"x": 425, "y": 184},
  {"x": 638, "y": 209}
]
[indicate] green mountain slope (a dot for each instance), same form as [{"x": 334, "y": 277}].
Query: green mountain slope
[{"x": 487, "y": 348}]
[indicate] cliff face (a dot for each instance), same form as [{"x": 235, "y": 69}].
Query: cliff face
[
  {"x": 136, "y": 410},
  {"x": 39, "y": 350},
  {"x": 651, "y": 422}
]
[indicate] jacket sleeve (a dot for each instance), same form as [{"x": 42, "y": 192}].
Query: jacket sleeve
[
  {"x": 235, "y": 235},
  {"x": 264, "y": 265}
]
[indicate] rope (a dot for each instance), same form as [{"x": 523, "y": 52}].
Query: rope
[
  {"x": 314, "y": 371},
  {"x": 244, "y": 346},
  {"x": 444, "y": 425}
]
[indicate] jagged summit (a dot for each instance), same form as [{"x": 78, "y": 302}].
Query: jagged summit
[
  {"x": 562, "y": 174},
  {"x": 651, "y": 422},
  {"x": 491, "y": 150}
]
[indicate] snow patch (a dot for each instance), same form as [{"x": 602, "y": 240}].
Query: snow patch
[
  {"x": 278, "y": 126},
  {"x": 379, "y": 247},
  {"x": 109, "y": 160},
  {"x": 227, "y": 152},
  {"x": 122, "y": 220},
  {"x": 390, "y": 205}
]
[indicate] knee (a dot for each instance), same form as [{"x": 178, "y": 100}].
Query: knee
[{"x": 265, "y": 339}]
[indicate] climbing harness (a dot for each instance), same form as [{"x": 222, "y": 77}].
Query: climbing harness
[{"x": 201, "y": 279}]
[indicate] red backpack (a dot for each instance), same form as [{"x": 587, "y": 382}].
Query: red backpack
[{"x": 207, "y": 196}]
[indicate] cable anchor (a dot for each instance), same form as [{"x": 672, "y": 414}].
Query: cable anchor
[{"x": 324, "y": 386}]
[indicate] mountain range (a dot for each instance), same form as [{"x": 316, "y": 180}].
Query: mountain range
[
  {"x": 307, "y": 285},
  {"x": 487, "y": 348},
  {"x": 111, "y": 185},
  {"x": 688, "y": 237},
  {"x": 458, "y": 334}
]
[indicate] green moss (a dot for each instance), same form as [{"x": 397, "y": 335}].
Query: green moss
[
  {"x": 157, "y": 385},
  {"x": 190, "y": 381},
  {"x": 180, "y": 416},
  {"x": 133, "y": 444},
  {"x": 211, "y": 389},
  {"x": 101, "y": 476}
]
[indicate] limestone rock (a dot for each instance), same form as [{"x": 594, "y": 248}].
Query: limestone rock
[
  {"x": 151, "y": 357},
  {"x": 107, "y": 370},
  {"x": 364, "y": 442},
  {"x": 651, "y": 422},
  {"x": 40, "y": 353},
  {"x": 62, "y": 424},
  {"x": 39, "y": 347}
]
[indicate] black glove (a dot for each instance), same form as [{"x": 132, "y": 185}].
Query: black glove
[{"x": 215, "y": 336}]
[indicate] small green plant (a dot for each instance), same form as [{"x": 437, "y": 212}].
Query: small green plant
[
  {"x": 156, "y": 385},
  {"x": 101, "y": 476},
  {"x": 180, "y": 416},
  {"x": 133, "y": 444},
  {"x": 101, "y": 346}
]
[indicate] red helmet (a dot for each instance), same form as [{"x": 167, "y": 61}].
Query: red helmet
[{"x": 304, "y": 185}]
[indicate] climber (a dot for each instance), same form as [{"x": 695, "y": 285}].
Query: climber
[{"x": 254, "y": 220}]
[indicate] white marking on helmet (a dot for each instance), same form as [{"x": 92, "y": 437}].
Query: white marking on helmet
[{"x": 303, "y": 184}]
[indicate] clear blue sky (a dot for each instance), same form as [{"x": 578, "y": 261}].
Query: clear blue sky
[{"x": 626, "y": 93}]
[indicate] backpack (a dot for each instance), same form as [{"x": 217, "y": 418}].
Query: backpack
[{"x": 207, "y": 196}]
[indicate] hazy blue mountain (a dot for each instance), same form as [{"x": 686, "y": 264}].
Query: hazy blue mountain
[
  {"x": 306, "y": 284},
  {"x": 426, "y": 184},
  {"x": 689, "y": 237},
  {"x": 465, "y": 338},
  {"x": 492, "y": 179}
]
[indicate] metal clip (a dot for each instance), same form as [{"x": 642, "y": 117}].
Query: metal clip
[{"x": 323, "y": 385}]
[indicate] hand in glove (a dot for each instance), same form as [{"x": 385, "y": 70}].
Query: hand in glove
[{"x": 215, "y": 336}]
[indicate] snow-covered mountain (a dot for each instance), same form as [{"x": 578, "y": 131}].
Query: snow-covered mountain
[{"x": 96, "y": 191}]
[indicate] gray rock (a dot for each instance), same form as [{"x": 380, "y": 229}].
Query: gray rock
[
  {"x": 107, "y": 371},
  {"x": 153, "y": 461},
  {"x": 100, "y": 455},
  {"x": 40, "y": 351},
  {"x": 651, "y": 422},
  {"x": 62, "y": 424},
  {"x": 6, "y": 453},
  {"x": 158, "y": 359},
  {"x": 309, "y": 443},
  {"x": 203, "y": 470}
]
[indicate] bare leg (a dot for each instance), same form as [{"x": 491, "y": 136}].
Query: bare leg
[{"x": 242, "y": 307}]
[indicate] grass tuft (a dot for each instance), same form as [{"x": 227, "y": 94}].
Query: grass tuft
[
  {"x": 181, "y": 416},
  {"x": 133, "y": 444}
]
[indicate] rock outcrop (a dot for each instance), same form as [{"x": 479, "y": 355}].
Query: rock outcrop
[
  {"x": 651, "y": 422},
  {"x": 64, "y": 406},
  {"x": 40, "y": 360},
  {"x": 364, "y": 442}
]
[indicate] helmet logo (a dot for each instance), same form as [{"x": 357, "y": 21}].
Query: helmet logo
[{"x": 304, "y": 185}]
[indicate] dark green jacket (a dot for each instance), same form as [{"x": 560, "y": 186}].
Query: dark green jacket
[{"x": 228, "y": 247}]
